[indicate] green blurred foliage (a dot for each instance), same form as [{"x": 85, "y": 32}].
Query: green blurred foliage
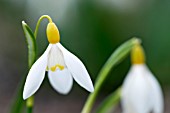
[{"x": 94, "y": 29}]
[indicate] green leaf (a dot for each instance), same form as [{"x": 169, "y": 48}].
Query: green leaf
[
  {"x": 110, "y": 102},
  {"x": 31, "y": 42},
  {"x": 17, "y": 105},
  {"x": 117, "y": 56},
  {"x": 18, "y": 101}
]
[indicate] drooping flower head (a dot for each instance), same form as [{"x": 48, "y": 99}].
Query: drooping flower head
[
  {"x": 141, "y": 92},
  {"x": 62, "y": 67}
]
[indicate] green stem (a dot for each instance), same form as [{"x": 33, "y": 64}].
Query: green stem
[
  {"x": 30, "y": 104},
  {"x": 115, "y": 59},
  {"x": 29, "y": 109},
  {"x": 39, "y": 21},
  {"x": 110, "y": 102}
]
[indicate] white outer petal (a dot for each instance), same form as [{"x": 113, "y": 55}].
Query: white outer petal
[
  {"x": 158, "y": 101},
  {"x": 77, "y": 69},
  {"x": 36, "y": 75},
  {"x": 61, "y": 80},
  {"x": 136, "y": 91}
]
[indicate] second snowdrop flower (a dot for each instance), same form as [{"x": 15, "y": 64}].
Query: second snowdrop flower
[
  {"x": 141, "y": 92},
  {"x": 62, "y": 67}
]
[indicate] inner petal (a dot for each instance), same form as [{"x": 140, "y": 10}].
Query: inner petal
[{"x": 55, "y": 59}]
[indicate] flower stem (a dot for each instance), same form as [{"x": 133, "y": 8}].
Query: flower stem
[
  {"x": 116, "y": 57},
  {"x": 39, "y": 21},
  {"x": 110, "y": 102},
  {"x": 30, "y": 104}
]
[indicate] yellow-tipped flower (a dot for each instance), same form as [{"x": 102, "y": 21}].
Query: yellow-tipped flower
[
  {"x": 141, "y": 92},
  {"x": 62, "y": 67}
]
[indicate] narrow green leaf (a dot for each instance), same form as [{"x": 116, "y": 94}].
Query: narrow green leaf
[
  {"x": 31, "y": 42},
  {"x": 18, "y": 101},
  {"x": 17, "y": 105},
  {"x": 110, "y": 102},
  {"x": 117, "y": 56}
]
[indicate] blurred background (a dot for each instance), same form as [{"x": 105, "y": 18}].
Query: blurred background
[{"x": 90, "y": 29}]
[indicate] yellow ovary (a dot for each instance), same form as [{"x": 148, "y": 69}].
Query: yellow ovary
[
  {"x": 137, "y": 55},
  {"x": 52, "y": 33}
]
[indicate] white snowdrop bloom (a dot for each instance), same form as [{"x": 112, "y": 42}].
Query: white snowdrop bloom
[
  {"x": 62, "y": 67},
  {"x": 141, "y": 92}
]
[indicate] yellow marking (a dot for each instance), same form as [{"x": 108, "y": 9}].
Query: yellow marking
[
  {"x": 52, "y": 33},
  {"x": 53, "y": 68},
  {"x": 137, "y": 55}
]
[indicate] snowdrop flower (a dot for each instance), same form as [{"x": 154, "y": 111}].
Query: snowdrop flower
[
  {"x": 62, "y": 67},
  {"x": 141, "y": 92}
]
